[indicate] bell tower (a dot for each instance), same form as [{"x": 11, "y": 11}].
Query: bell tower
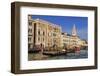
[{"x": 74, "y": 31}]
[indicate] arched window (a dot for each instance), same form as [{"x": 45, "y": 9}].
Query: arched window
[
  {"x": 43, "y": 33},
  {"x": 38, "y": 32}
]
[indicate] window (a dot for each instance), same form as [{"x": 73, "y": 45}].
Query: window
[
  {"x": 34, "y": 24},
  {"x": 38, "y": 32},
  {"x": 43, "y": 39},
  {"x": 29, "y": 45},
  {"x": 54, "y": 34},
  {"x": 30, "y": 23},
  {"x": 43, "y": 33},
  {"x": 38, "y": 38},
  {"x": 48, "y": 44},
  {"x": 29, "y": 39},
  {"x": 30, "y": 30}
]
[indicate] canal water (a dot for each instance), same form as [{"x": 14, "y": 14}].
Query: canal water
[{"x": 38, "y": 56}]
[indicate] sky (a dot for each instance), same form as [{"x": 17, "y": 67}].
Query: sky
[{"x": 67, "y": 22}]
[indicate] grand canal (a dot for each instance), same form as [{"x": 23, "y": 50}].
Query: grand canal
[{"x": 39, "y": 56}]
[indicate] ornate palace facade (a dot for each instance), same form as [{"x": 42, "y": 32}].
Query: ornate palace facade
[{"x": 44, "y": 33}]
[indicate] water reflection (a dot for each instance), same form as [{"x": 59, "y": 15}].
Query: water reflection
[{"x": 39, "y": 56}]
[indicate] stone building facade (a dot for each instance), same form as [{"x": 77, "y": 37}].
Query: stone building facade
[
  {"x": 41, "y": 32},
  {"x": 72, "y": 40}
]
